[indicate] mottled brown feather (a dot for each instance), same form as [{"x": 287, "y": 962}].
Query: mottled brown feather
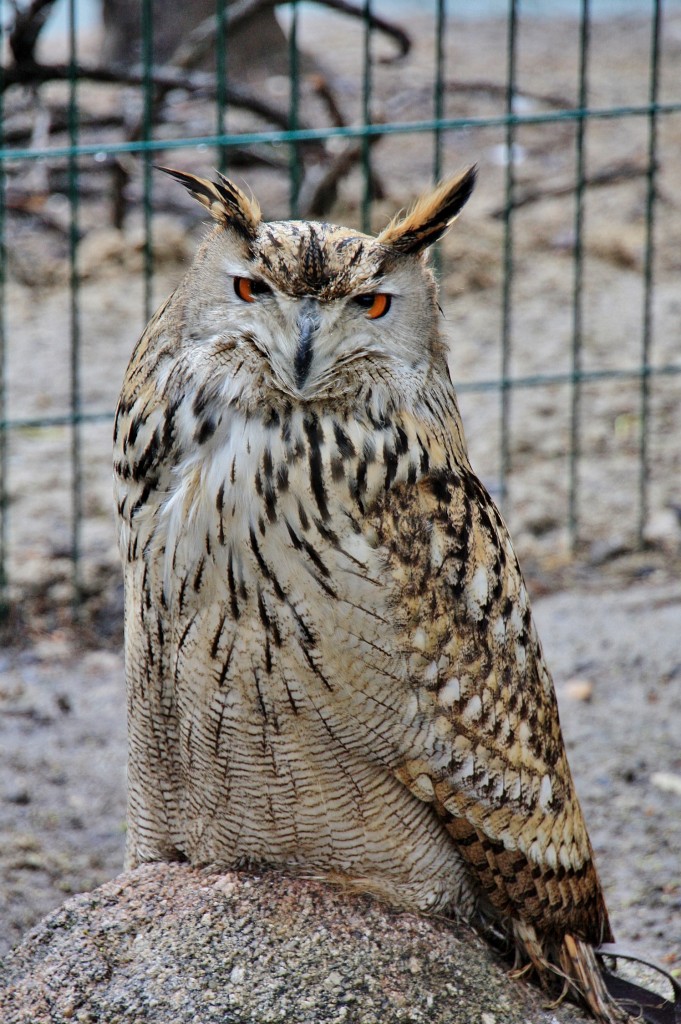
[
  {"x": 430, "y": 216},
  {"x": 224, "y": 200}
]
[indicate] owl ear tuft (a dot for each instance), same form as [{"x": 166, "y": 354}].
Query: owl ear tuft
[
  {"x": 227, "y": 204},
  {"x": 431, "y": 215}
]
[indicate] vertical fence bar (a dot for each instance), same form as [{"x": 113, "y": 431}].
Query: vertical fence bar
[
  {"x": 147, "y": 135},
  {"x": 4, "y": 600},
  {"x": 221, "y": 71},
  {"x": 507, "y": 287},
  {"x": 577, "y": 286},
  {"x": 439, "y": 89},
  {"x": 648, "y": 273},
  {"x": 438, "y": 111},
  {"x": 75, "y": 325},
  {"x": 367, "y": 70},
  {"x": 294, "y": 104}
]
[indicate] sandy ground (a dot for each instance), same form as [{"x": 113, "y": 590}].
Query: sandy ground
[{"x": 616, "y": 629}]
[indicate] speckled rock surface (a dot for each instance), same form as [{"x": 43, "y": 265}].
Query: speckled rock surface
[{"x": 167, "y": 943}]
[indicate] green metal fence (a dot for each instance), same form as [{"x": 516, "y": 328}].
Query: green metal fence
[{"x": 572, "y": 111}]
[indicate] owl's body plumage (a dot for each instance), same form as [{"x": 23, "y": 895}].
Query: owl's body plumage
[{"x": 331, "y": 660}]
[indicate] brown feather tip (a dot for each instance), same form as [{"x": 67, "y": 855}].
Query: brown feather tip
[
  {"x": 224, "y": 200},
  {"x": 431, "y": 215},
  {"x": 611, "y": 998},
  {"x": 577, "y": 965},
  {"x": 585, "y": 977}
]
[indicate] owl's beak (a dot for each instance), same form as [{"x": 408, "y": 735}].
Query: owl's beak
[{"x": 307, "y": 325}]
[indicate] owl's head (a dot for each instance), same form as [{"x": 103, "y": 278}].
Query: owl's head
[{"x": 309, "y": 302}]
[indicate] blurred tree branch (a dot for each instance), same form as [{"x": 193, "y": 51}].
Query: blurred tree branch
[{"x": 28, "y": 24}]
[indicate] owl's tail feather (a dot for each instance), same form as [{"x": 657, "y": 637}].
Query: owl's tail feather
[
  {"x": 582, "y": 969},
  {"x": 610, "y": 998}
]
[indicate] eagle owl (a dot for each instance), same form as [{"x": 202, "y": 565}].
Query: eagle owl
[{"x": 331, "y": 661}]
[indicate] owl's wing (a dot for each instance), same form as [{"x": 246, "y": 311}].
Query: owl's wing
[
  {"x": 145, "y": 443},
  {"x": 494, "y": 764}
]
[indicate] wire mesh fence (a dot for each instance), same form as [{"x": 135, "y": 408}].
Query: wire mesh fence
[{"x": 560, "y": 289}]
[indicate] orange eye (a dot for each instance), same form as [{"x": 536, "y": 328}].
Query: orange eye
[
  {"x": 247, "y": 288},
  {"x": 375, "y": 304}
]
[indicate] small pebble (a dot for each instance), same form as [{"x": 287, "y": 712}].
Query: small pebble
[
  {"x": 578, "y": 689},
  {"x": 667, "y": 781}
]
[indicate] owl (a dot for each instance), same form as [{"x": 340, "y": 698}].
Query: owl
[{"x": 332, "y": 666}]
